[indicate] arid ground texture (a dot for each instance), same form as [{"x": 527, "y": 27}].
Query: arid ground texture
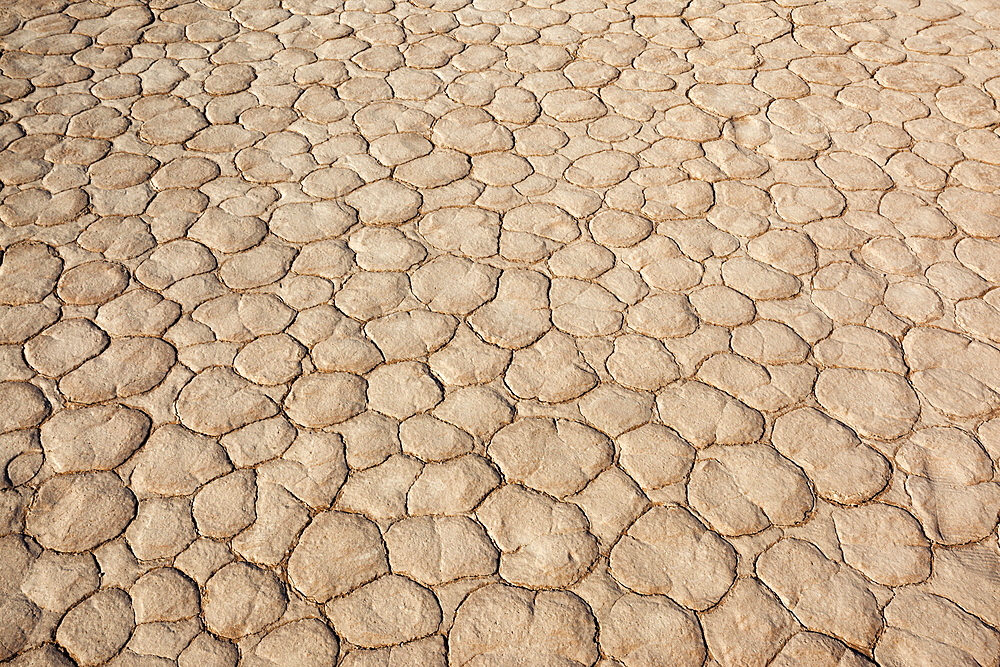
[{"x": 499, "y": 333}]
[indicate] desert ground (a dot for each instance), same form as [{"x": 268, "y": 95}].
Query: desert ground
[{"x": 499, "y": 333}]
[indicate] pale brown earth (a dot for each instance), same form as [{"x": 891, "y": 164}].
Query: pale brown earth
[{"x": 489, "y": 333}]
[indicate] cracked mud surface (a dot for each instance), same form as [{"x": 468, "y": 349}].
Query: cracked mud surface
[{"x": 489, "y": 333}]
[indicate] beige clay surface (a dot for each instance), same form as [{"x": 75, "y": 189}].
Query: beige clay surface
[{"x": 499, "y": 333}]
